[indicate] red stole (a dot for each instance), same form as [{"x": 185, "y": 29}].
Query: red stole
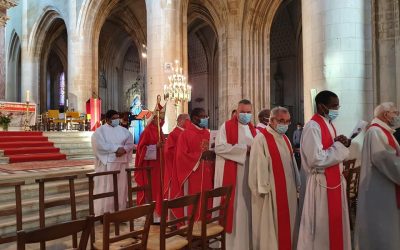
[
  {"x": 230, "y": 171},
  {"x": 392, "y": 143},
  {"x": 169, "y": 155},
  {"x": 282, "y": 204},
  {"x": 333, "y": 178}
]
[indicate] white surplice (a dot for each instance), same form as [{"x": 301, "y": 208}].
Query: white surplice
[
  {"x": 105, "y": 142},
  {"x": 263, "y": 192},
  {"x": 378, "y": 217},
  {"x": 314, "y": 226},
  {"x": 240, "y": 238}
]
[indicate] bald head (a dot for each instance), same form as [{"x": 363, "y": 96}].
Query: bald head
[{"x": 180, "y": 121}]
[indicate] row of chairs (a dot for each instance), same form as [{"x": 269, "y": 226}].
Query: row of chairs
[
  {"x": 169, "y": 232},
  {"x": 54, "y": 120}
]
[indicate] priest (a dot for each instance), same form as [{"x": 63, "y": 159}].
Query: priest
[
  {"x": 232, "y": 147},
  {"x": 149, "y": 154},
  {"x": 274, "y": 181},
  {"x": 194, "y": 162},
  {"x": 325, "y": 221},
  {"x": 112, "y": 147},
  {"x": 263, "y": 119},
  {"x": 170, "y": 174},
  {"x": 378, "y": 211}
]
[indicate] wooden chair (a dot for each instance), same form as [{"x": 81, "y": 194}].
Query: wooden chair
[
  {"x": 43, "y": 204},
  {"x": 353, "y": 180},
  {"x": 211, "y": 228},
  {"x": 134, "y": 239},
  {"x": 172, "y": 234},
  {"x": 53, "y": 118},
  {"x": 74, "y": 119},
  {"x": 135, "y": 189},
  {"x": 93, "y": 197},
  {"x": 349, "y": 164},
  {"x": 56, "y": 232},
  {"x": 17, "y": 210}
]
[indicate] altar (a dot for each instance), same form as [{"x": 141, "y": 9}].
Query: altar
[{"x": 18, "y": 111}]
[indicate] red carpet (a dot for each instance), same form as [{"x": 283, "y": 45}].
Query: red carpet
[{"x": 28, "y": 146}]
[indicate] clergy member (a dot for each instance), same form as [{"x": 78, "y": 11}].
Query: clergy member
[
  {"x": 325, "y": 221},
  {"x": 170, "y": 177},
  {"x": 263, "y": 119},
  {"x": 149, "y": 154},
  {"x": 232, "y": 147},
  {"x": 274, "y": 181},
  {"x": 194, "y": 163},
  {"x": 378, "y": 208},
  {"x": 112, "y": 147}
]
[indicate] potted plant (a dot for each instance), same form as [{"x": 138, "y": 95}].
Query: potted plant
[{"x": 5, "y": 120}]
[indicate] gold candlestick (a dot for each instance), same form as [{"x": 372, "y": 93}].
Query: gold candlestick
[{"x": 26, "y": 121}]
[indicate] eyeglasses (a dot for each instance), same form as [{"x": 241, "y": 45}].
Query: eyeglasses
[{"x": 283, "y": 121}]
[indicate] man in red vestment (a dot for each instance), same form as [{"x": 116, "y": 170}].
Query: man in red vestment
[
  {"x": 148, "y": 154},
  {"x": 170, "y": 175},
  {"x": 194, "y": 162}
]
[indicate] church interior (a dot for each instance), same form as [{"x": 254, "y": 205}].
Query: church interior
[{"x": 64, "y": 64}]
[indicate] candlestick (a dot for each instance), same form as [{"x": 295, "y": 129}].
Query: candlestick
[{"x": 27, "y": 96}]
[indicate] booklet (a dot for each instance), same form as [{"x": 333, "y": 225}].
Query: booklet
[
  {"x": 360, "y": 126},
  {"x": 213, "y": 135}
]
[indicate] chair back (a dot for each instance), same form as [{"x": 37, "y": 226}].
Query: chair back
[
  {"x": 216, "y": 213},
  {"x": 353, "y": 180},
  {"x": 53, "y": 114},
  {"x": 170, "y": 228},
  {"x": 138, "y": 237},
  {"x": 93, "y": 197},
  {"x": 56, "y": 232},
  {"x": 347, "y": 165},
  {"x": 43, "y": 204},
  {"x": 17, "y": 210}
]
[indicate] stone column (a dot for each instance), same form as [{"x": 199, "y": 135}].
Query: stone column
[
  {"x": 164, "y": 45},
  {"x": 4, "y": 5},
  {"x": 337, "y": 57}
]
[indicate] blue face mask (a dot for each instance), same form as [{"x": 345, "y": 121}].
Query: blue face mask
[
  {"x": 395, "y": 123},
  {"x": 333, "y": 114},
  {"x": 281, "y": 128},
  {"x": 115, "y": 122},
  {"x": 203, "y": 122},
  {"x": 244, "y": 118}
]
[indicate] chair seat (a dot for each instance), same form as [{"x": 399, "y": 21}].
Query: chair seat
[
  {"x": 212, "y": 229},
  {"x": 173, "y": 243},
  {"x": 98, "y": 244}
]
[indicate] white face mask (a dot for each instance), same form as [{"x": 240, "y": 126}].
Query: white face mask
[{"x": 395, "y": 123}]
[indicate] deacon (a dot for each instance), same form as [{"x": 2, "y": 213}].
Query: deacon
[
  {"x": 274, "y": 181},
  {"x": 232, "y": 147},
  {"x": 263, "y": 118},
  {"x": 378, "y": 212},
  {"x": 325, "y": 221},
  {"x": 194, "y": 162},
  {"x": 170, "y": 175},
  {"x": 149, "y": 154},
  {"x": 112, "y": 147}
]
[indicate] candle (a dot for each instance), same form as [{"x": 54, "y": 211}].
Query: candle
[
  {"x": 66, "y": 103},
  {"x": 27, "y": 96}
]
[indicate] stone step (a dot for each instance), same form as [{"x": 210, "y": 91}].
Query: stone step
[
  {"x": 68, "y": 134},
  {"x": 76, "y": 144},
  {"x": 3, "y": 160},
  {"x": 80, "y": 156},
  {"x": 53, "y": 216},
  {"x": 71, "y": 151},
  {"x": 67, "y": 140},
  {"x": 32, "y": 190}
]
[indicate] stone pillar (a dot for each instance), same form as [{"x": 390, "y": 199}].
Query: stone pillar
[
  {"x": 164, "y": 45},
  {"x": 337, "y": 57},
  {"x": 4, "y": 5}
]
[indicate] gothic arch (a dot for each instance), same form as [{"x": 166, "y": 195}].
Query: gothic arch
[{"x": 13, "y": 87}]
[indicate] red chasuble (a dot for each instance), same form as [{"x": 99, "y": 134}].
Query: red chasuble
[
  {"x": 149, "y": 137},
  {"x": 170, "y": 179},
  {"x": 230, "y": 171},
  {"x": 191, "y": 144},
  {"x": 392, "y": 143},
  {"x": 333, "y": 179},
  {"x": 282, "y": 204}
]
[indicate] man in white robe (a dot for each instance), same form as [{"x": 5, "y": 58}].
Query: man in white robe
[
  {"x": 112, "y": 147},
  {"x": 232, "y": 159},
  {"x": 324, "y": 221},
  {"x": 274, "y": 181},
  {"x": 378, "y": 211}
]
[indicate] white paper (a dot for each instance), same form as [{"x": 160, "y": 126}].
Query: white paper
[
  {"x": 360, "y": 126},
  {"x": 213, "y": 135},
  {"x": 151, "y": 153}
]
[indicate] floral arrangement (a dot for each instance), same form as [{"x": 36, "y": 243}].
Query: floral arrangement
[{"x": 5, "y": 119}]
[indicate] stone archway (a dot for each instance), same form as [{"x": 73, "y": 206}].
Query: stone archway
[
  {"x": 120, "y": 62},
  {"x": 13, "y": 86},
  {"x": 203, "y": 62},
  {"x": 286, "y": 76}
]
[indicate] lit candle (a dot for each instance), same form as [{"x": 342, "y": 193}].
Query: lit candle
[
  {"x": 66, "y": 104},
  {"x": 27, "y": 96}
]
